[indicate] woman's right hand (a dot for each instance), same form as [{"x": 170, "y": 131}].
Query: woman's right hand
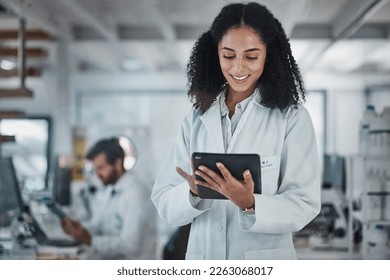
[{"x": 189, "y": 178}]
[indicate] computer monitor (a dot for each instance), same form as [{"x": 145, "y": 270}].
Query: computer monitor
[
  {"x": 31, "y": 150},
  {"x": 11, "y": 202},
  {"x": 12, "y": 193},
  {"x": 61, "y": 185}
]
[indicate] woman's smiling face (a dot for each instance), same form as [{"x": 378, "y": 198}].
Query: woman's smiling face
[{"x": 242, "y": 58}]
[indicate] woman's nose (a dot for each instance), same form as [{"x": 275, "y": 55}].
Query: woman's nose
[{"x": 238, "y": 65}]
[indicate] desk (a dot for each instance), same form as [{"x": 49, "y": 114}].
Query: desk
[
  {"x": 56, "y": 253},
  {"x": 325, "y": 254},
  {"x": 307, "y": 252},
  {"x": 29, "y": 249},
  {"x": 10, "y": 251}
]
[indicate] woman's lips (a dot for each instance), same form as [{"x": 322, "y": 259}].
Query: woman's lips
[{"x": 240, "y": 78}]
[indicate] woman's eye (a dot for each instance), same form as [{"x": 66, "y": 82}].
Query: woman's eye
[
  {"x": 251, "y": 57},
  {"x": 228, "y": 56}
]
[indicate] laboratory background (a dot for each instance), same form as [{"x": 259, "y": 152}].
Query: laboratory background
[{"x": 74, "y": 72}]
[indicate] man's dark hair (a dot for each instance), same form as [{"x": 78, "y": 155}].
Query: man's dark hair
[
  {"x": 110, "y": 148},
  {"x": 281, "y": 84}
]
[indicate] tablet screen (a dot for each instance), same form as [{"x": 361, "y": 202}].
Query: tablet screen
[{"x": 235, "y": 163}]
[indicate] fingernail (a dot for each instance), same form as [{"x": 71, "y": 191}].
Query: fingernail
[
  {"x": 219, "y": 164},
  {"x": 201, "y": 168}
]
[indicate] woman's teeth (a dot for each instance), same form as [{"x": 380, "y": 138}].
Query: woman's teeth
[{"x": 240, "y": 78}]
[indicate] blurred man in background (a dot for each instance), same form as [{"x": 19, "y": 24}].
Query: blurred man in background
[{"x": 123, "y": 227}]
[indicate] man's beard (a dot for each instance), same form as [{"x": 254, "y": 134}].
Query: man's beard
[{"x": 112, "y": 179}]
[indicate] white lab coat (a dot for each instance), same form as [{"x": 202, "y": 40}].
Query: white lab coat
[
  {"x": 123, "y": 227},
  {"x": 290, "y": 178}
]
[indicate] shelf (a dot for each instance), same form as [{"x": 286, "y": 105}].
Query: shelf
[
  {"x": 30, "y": 53},
  {"x": 18, "y": 92},
  {"x": 31, "y": 34},
  {"x": 359, "y": 185},
  {"x": 11, "y": 114},
  {"x": 376, "y": 193},
  {"x": 376, "y": 157},
  {"x": 364, "y": 157},
  {"x": 30, "y": 72},
  {"x": 381, "y": 222},
  {"x": 7, "y": 138}
]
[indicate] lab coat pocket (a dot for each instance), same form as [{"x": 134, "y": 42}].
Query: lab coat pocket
[
  {"x": 194, "y": 257},
  {"x": 270, "y": 166},
  {"x": 270, "y": 254}
]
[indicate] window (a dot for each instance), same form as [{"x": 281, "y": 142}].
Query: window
[{"x": 30, "y": 151}]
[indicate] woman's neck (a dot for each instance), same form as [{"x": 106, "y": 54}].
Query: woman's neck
[{"x": 235, "y": 97}]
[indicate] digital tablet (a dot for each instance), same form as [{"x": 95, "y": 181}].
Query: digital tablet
[
  {"x": 56, "y": 209},
  {"x": 235, "y": 163}
]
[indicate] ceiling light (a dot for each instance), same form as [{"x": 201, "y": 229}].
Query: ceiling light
[
  {"x": 7, "y": 65},
  {"x": 132, "y": 65}
]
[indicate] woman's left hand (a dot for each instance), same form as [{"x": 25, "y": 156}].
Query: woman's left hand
[{"x": 239, "y": 192}]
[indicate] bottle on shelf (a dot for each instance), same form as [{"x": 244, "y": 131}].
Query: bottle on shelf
[
  {"x": 377, "y": 246},
  {"x": 372, "y": 200},
  {"x": 369, "y": 116},
  {"x": 386, "y": 189},
  {"x": 374, "y": 146},
  {"x": 386, "y": 134},
  {"x": 379, "y": 134}
]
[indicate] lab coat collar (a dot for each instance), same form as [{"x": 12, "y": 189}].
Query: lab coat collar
[
  {"x": 256, "y": 97},
  {"x": 244, "y": 103},
  {"x": 212, "y": 119},
  {"x": 120, "y": 184}
]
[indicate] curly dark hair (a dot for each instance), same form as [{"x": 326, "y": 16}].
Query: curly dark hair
[{"x": 281, "y": 85}]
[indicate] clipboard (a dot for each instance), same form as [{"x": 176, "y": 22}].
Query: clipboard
[{"x": 235, "y": 163}]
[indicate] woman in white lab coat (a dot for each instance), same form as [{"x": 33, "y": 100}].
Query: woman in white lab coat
[{"x": 247, "y": 92}]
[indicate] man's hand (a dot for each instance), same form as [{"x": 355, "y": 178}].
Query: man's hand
[{"x": 76, "y": 230}]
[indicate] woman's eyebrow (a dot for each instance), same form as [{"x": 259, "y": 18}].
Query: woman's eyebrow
[
  {"x": 253, "y": 49},
  {"x": 248, "y": 50}
]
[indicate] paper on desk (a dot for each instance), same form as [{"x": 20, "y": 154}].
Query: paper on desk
[{"x": 52, "y": 252}]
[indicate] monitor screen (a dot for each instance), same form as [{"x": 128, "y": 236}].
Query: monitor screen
[
  {"x": 61, "y": 183},
  {"x": 30, "y": 151},
  {"x": 11, "y": 202}
]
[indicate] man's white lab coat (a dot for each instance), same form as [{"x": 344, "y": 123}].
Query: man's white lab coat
[
  {"x": 290, "y": 178},
  {"x": 123, "y": 226}
]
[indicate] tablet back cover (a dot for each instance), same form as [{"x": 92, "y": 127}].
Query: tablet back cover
[{"x": 235, "y": 163}]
